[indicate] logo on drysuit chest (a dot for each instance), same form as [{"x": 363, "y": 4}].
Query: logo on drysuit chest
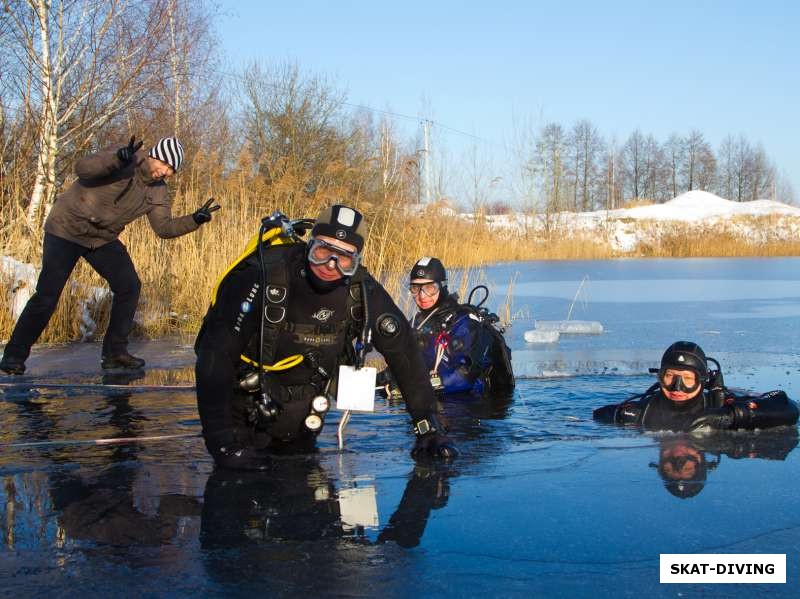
[
  {"x": 245, "y": 307},
  {"x": 323, "y": 314}
]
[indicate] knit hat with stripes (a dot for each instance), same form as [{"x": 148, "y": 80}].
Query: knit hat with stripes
[{"x": 168, "y": 150}]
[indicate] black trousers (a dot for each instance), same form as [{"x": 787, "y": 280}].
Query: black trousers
[{"x": 111, "y": 261}]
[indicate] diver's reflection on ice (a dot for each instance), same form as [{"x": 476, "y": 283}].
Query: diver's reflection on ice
[
  {"x": 685, "y": 460},
  {"x": 296, "y": 500},
  {"x": 105, "y": 508}
]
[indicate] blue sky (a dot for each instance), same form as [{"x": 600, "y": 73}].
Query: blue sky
[{"x": 720, "y": 67}]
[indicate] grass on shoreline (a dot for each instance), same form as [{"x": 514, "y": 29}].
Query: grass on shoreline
[{"x": 178, "y": 275}]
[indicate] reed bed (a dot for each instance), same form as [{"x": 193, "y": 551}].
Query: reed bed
[{"x": 178, "y": 275}]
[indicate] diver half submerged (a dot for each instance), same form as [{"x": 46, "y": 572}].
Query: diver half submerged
[
  {"x": 283, "y": 319},
  {"x": 462, "y": 344},
  {"x": 690, "y": 397}
]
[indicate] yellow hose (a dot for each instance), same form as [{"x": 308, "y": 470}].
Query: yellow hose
[{"x": 284, "y": 364}]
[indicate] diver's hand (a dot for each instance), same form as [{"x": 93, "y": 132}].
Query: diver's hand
[
  {"x": 231, "y": 451},
  {"x": 384, "y": 378},
  {"x": 203, "y": 214},
  {"x": 714, "y": 419},
  {"x": 127, "y": 153},
  {"x": 242, "y": 458},
  {"x": 434, "y": 445}
]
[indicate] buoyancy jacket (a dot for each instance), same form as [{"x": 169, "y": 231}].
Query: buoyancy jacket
[{"x": 463, "y": 349}]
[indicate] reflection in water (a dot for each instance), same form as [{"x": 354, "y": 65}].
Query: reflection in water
[
  {"x": 264, "y": 525},
  {"x": 296, "y": 500},
  {"x": 100, "y": 518},
  {"x": 86, "y": 492},
  {"x": 104, "y": 509},
  {"x": 685, "y": 460}
]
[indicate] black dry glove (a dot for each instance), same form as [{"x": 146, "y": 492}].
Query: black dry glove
[
  {"x": 384, "y": 377},
  {"x": 230, "y": 451},
  {"x": 203, "y": 214},
  {"x": 432, "y": 440},
  {"x": 127, "y": 153},
  {"x": 718, "y": 419},
  {"x": 242, "y": 458}
]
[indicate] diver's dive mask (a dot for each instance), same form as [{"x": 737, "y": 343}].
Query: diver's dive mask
[
  {"x": 683, "y": 381},
  {"x": 321, "y": 252}
]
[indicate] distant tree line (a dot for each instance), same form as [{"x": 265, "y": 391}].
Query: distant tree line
[{"x": 578, "y": 169}]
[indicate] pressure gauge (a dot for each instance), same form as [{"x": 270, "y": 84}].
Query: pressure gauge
[
  {"x": 320, "y": 404},
  {"x": 313, "y": 422}
]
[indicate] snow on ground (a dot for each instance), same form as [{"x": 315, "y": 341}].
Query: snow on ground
[
  {"x": 23, "y": 279},
  {"x": 23, "y": 282},
  {"x": 625, "y": 228}
]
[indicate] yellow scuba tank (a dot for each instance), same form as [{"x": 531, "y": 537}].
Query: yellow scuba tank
[
  {"x": 284, "y": 232},
  {"x": 273, "y": 236}
]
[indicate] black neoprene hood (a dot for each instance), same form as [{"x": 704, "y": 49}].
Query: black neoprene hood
[
  {"x": 685, "y": 354},
  {"x": 428, "y": 268}
]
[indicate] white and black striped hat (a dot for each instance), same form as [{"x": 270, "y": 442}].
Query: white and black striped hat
[{"x": 168, "y": 150}]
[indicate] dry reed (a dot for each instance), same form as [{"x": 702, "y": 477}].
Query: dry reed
[{"x": 178, "y": 275}]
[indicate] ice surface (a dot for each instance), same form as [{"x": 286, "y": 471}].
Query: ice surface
[
  {"x": 539, "y": 336},
  {"x": 542, "y": 501},
  {"x": 570, "y": 327}
]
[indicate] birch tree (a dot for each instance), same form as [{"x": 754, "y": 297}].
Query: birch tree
[{"x": 81, "y": 63}]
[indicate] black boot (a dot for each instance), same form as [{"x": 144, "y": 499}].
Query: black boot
[
  {"x": 122, "y": 362},
  {"x": 12, "y": 365}
]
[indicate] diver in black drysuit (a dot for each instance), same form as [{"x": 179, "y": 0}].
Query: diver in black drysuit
[
  {"x": 672, "y": 404},
  {"x": 320, "y": 323}
]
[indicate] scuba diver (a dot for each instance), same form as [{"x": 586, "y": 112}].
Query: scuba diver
[
  {"x": 462, "y": 344},
  {"x": 283, "y": 318},
  {"x": 690, "y": 397},
  {"x": 683, "y": 462}
]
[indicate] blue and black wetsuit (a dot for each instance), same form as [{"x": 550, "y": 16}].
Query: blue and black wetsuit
[{"x": 463, "y": 349}]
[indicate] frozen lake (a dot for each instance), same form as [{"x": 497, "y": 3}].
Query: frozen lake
[{"x": 542, "y": 501}]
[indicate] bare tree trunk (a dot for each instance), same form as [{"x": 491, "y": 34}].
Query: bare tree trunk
[
  {"x": 175, "y": 64},
  {"x": 48, "y": 132}
]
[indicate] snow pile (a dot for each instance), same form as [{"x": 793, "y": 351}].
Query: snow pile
[
  {"x": 694, "y": 206},
  {"x": 87, "y": 325},
  {"x": 23, "y": 283},
  {"x": 624, "y": 229},
  {"x": 22, "y": 286}
]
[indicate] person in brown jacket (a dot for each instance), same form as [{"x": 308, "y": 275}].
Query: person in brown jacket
[{"x": 114, "y": 187}]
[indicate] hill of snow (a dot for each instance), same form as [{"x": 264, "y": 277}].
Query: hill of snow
[
  {"x": 626, "y": 228},
  {"x": 697, "y": 205}
]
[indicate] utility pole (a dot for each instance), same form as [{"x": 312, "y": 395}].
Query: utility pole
[{"x": 426, "y": 130}]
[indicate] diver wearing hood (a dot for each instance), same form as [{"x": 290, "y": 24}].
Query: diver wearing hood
[
  {"x": 690, "y": 397},
  {"x": 462, "y": 344},
  {"x": 317, "y": 299}
]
